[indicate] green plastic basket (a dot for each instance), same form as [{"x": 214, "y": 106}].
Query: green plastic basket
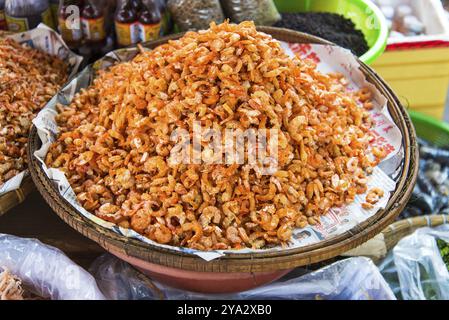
[
  {"x": 430, "y": 129},
  {"x": 366, "y": 16}
]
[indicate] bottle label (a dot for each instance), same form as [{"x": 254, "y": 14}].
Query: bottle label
[
  {"x": 3, "y": 25},
  {"x": 127, "y": 33},
  {"x": 149, "y": 32},
  {"x": 69, "y": 34},
  {"x": 17, "y": 24},
  {"x": 94, "y": 29},
  {"x": 22, "y": 24}
]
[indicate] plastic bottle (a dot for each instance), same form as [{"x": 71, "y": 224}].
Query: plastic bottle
[
  {"x": 23, "y": 15},
  {"x": 150, "y": 21},
  {"x": 70, "y": 30},
  {"x": 3, "y": 25},
  {"x": 126, "y": 23}
]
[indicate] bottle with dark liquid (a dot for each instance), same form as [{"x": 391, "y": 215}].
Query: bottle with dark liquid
[
  {"x": 93, "y": 22},
  {"x": 23, "y": 15},
  {"x": 3, "y": 25},
  {"x": 150, "y": 21},
  {"x": 126, "y": 22},
  {"x": 68, "y": 22}
]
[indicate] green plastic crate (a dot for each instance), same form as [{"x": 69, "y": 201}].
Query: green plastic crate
[{"x": 430, "y": 129}]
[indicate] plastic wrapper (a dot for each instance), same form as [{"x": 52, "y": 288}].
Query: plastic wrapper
[
  {"x": 46, "y": 271},
  {"x": 262, "y": 12},
  {"x": 350, "y": 279},
  {"x": 195, "y": 14},
  {"x": 415, "y": 269}
]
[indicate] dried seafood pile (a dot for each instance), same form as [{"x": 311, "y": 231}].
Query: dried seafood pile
[
  {"x": 10, "y": 286},
  {"x": 115, "y": 145},
  {"x": 28, "y": 79}
]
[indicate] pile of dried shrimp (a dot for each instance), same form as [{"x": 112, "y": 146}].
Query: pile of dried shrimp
[
  {"x": 114, "y": 142},
  {"x": 28, "y": 79}
]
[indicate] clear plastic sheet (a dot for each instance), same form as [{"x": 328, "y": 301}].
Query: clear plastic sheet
[
  {"x": 354, "y": 279},
  {"x": 414, "y": 268},
  {"x": 195, "y": 14},
  {"x": 46, "y": 271},
  {"x": 262, "y": 12}
]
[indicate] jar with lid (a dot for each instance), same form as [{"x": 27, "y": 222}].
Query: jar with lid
[
  {"x": 23, "y": 15},
  {"x": 150, "y": 21},
  {"x": 69, "y": 23},
  {"x": 195, "y": 14},
  {"x": 126, "y": 22}
]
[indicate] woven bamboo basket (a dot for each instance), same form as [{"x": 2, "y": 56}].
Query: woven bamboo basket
[
  {"x": 377, "y": 249},
  {"x": 398, "y": 230},
  {"x": 235, "y": 272}
]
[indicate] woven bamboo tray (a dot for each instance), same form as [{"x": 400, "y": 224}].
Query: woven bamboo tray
[{"x": 136, "y": 251}]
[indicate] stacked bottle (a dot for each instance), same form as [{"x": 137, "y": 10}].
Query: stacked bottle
[
  {"x": 137, "y": 21},
  {"x": 69, "y": 22},
  {"x": 126, "y": 23},
  {"x": 93, "y": 22}
]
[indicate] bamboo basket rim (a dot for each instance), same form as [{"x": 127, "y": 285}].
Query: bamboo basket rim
[
  {"x": 250, "y": 262},
  {"x": 402, "y": 228}
]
